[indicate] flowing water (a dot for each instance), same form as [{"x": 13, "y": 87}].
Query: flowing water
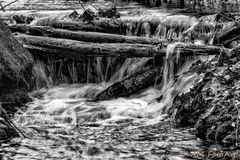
[{"x": 64, "y": 122}]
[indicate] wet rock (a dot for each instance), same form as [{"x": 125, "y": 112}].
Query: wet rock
[
  {"x": 92, "y": 150},
  {"x": 16, "y": 63},
  {"x": 88, "y": 16},
  {"x": 21, "y": 19},
  {"x": 212, "y": 106},
  {"x": 16, "y": 78},
  {"x": 219, "y": 17},
  {"x": 109, "y": 12},
  {"x": 230, "y": 139},
  {"x": 74, "y": 15},
  {"x": 223, "y": 130},
  {"x": 11, "y": 102}
]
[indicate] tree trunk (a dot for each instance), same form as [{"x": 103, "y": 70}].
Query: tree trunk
[
  {"x": 78, "y": 49},
  {"x": 94, "y": 37},
  {"x": 131, "y": 85}
]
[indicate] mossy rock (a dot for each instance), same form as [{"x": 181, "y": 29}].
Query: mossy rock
[{"x": 15, "y": 63}]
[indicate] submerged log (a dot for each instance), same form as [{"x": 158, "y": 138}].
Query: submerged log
[
  {"x": 76, "y": 49},
  {"x": 131, "y": 85},
  {"x": 94, "y": 37}
]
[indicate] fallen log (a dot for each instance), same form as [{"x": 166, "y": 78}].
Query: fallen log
[
  {"x": 72, "y": 48},
  {"x": 94, "y": 37},
  {"x": 227, "y": 37},
  {"x": 131, "y": 85},
  {"x": 103, "y": 25}
]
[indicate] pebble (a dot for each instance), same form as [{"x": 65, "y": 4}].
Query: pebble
[{"x": 227, "y": 77}]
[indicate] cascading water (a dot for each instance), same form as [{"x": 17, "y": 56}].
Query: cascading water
[
  {"x": 163, "y": 26},
  {"x": 63, "y": 121}
]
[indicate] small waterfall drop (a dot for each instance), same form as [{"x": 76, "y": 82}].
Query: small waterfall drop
[{"x": 64, "y": 112}]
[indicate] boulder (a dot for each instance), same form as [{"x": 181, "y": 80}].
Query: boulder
[
  {"x": 15, "y": 63},
  {"x": 16, "y": 79}
]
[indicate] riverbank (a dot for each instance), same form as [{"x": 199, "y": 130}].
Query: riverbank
[{"x": 212, "y": 106}]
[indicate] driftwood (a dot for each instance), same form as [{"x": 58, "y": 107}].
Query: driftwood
[
  {"x": 94, "y": 37},
  {"x": 65, "y": 47},
  {"x": 131, "y": 85}
]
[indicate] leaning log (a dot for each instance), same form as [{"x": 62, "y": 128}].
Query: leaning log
[
  {"x": 72, "y": 48},
  {"x": 131, "y": 85},
  {"x": 94, "y": 37}
]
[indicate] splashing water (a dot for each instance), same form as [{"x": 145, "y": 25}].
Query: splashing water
[
  {"x": 64, "y": 122},
  {"x": 159, "y": 25}
]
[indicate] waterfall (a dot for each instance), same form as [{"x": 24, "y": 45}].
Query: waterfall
[
  {"x": 54, "y": 71},
  {"x": 159, "y": 25},
  {"x": 65, "y": 122}
]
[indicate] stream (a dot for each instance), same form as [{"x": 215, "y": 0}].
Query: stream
[
  {"x": 64, "y": 122},
  {"x": 61, "y": 123}
]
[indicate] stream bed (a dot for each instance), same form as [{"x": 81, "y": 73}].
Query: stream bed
[{"x": 60, "y": 125}]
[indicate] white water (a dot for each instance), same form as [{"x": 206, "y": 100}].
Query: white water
[{"x": 64, "y": 123}]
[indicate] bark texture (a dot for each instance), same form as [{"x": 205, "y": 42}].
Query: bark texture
[{"x": 94, "y": 37}]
